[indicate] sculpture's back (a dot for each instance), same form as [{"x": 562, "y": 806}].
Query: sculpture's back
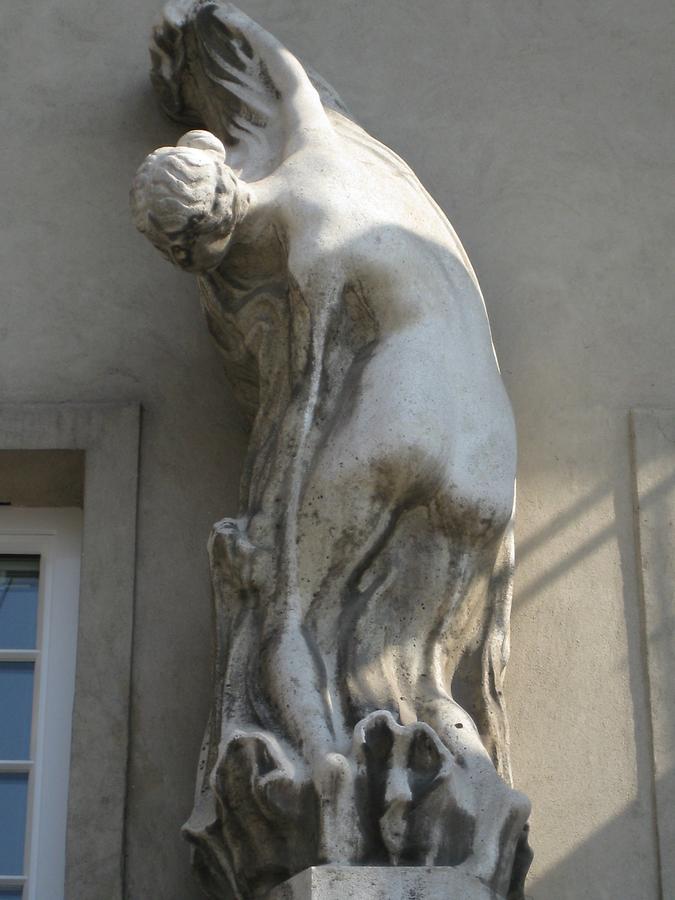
[{"x": 363, "y": 594}]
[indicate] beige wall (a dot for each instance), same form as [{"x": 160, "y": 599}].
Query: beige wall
[{"x": 545, "y": 129}]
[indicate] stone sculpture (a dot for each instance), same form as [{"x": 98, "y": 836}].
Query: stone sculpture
[{"x": 362, "y": 597}]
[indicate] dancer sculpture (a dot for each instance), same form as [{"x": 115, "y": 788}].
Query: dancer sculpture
[{"x": 362, "y": 596}]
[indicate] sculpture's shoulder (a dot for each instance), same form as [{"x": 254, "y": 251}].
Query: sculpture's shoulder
[
  {"x": 353, "y": 209},
  {"x": 347, "y": 183}
]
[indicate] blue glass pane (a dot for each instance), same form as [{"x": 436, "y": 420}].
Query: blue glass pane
[
  {"x": 18, "y": 601},
  {"x": 11, "y": 894},
  {"x": 16, "y": 709},
  {"x": 13, "y": 799}
]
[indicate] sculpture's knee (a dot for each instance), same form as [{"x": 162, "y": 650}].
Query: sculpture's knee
[
  {"x": 472, "y": 498},
  {"x": 479, "y": 510},
  {"x": 407, "y": 474}
]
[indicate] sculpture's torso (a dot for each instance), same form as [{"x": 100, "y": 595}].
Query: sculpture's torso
[{"x": 355, "y": 218}]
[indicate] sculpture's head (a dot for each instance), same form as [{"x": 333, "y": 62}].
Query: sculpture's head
[{"x": 187, "y": 201}]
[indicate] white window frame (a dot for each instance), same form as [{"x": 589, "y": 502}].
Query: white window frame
[{"x": 55, "y": 535}]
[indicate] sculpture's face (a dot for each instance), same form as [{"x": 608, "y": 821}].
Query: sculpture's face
[
  {"x": 185, "y": 200},
  {"x": 193, "y": 251}
]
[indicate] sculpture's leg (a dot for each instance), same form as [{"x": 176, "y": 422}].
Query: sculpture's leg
[
  {"x": 398, "y": 538},
  {"x": 389, "y": 607}
]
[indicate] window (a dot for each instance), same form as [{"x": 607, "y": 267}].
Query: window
[
  {"x": 37, "y": 441},
  {"x": 39, "y": 587}
]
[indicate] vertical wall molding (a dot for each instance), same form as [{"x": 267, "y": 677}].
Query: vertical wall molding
[{"x": 653, "y": 451}]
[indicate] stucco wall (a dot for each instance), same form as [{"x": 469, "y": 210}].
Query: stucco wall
[{"x": 545, "y": 130}]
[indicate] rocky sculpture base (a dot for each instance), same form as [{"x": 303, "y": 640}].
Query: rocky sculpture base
[
  {"x": 401, "y": 799},
  {"x": 383, "y": 883}
]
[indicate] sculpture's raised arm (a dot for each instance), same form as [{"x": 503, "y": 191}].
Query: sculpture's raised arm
[
  {"x": 215, "y": 68},
  {"x": 300, "y": 104}
]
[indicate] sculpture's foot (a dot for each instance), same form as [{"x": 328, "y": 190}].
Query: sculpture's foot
[
  {"x": 340, "y": 834},
  {"x": 258, "y": 822},
  {"x": 430, "y": 808}
]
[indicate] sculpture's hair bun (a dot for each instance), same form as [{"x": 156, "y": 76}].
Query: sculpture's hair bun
[
  {"x": 202, "y": 140},
  {"x": 184, "y": 189}
]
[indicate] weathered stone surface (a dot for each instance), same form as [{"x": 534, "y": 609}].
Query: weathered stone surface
[
  {"x": 363, "y": 594},
  {"x": 382, "y": 883}
]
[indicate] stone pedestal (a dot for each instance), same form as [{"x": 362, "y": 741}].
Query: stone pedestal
[{"x": 382, "y": 883}]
